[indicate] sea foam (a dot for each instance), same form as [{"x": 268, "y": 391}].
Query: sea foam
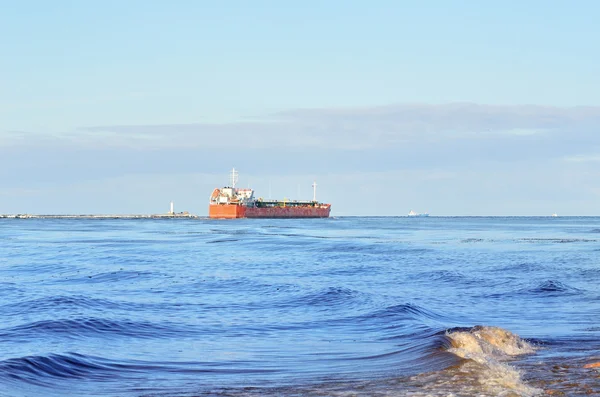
[{"x": 487, "y": 351}]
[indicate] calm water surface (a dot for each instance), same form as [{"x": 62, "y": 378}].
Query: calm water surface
[{"x": 322, "y": 307}]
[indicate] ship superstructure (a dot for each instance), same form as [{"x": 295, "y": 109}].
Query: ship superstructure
[
  {"x": 233, "y": 202},
  {"x": 413, "y": 213}
]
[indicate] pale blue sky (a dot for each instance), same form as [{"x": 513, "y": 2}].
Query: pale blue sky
[{"x": 122, "y": 106}]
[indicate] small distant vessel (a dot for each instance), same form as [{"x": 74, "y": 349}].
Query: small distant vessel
[
  {"x": 554, "y": 215},
  {"x": 413, "y": 213},
  {"x": 233, "y": 202}
]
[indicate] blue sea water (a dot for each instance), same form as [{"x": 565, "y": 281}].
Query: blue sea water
[{"x": 319, "y": 307}]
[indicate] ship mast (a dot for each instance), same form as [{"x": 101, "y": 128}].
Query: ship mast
[
  {"x": 234, "y": 177},
  {"x": 314, "y": 185}
]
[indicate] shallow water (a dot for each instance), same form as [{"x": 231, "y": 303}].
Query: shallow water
[{"x": 340, "y": 306}]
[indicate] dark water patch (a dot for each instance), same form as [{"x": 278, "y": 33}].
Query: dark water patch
[
  {"x": 383, "y": 251},
  {"x": 233, "y": 232},
  {"x": 514, "y": 268},
  {"x": 553, "y": 288},
  {"x": 591, "y": 329},
  {"x": 302, "y": 236},
  {"x": 472, "y": 240},
  {"x": 557, "y": 240},
  {"x": 9, "y": 287},
  {"x": 112, "y": 242},
  {"x": 331, "y": 297},
  {"x": 413, "y": 250},
  {"x": 224, "y": 240},
  {"x": 82, "y": 327},
  {"x": 65, "y": 303},
  {"x": 349, "y": 248},
  {"x": 446, "y": 276},
  {"x": 590, "y": 273},
  {"x": 178, "y": 233},
  {"x": 548, "y": 288},
  {"x": 226, "y": 283},
  {"x": 351, "y": 270},
  {"x": 37, "y": 267},
  {"x": 111, "y": 277}
]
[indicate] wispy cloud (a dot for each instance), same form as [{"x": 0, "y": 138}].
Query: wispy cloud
[
  {"x": 351, "y": 128},
  {"x": 583, "y": 158}
]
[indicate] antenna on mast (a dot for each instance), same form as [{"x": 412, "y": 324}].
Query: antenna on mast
[
  {"x": 314, "y": 185},
  {"x": 234, "y": 177}
]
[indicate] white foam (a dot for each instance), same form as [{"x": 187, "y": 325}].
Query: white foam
[
  {"x": 491, "y": 342},
  {"x": 488, "y": 349}
]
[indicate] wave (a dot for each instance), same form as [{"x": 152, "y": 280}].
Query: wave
[
  {"x": 448, "y": 276},
  {"x": 408, "y": 323},
  {"x": 223, "y": 240},
  {"x": 553, "y": 288},
  {"x": 487, "y": 351},
  {"x": 404, "y": 311},
  {"x": 35, "y": 267},
  {"x": 111, "y": 242},
  {"x": 64, "y": 302},
  {"x": 455, "y": 362},
  {"x": 331, "y": 296},
  {"x": 43, "y": 370},
  {"x": 85, "y": 326},
  {"x": 548, "y": 288},
  {"x": 36, "y": 368},
  {"x": 12, "y": 288},
  {"x": 109, "y": 277}
]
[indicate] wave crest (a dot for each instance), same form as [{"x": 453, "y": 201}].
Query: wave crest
[
  {"x": 551, "y": 287},
  {"x": 85, "y": 326},
  {"x": 487, "y": 349},
  {"x": 490, "y": 342}
]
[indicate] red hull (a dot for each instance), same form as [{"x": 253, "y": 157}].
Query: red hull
[
  {"x": 226, "y": 211},
  {"x": 230, "y": 211}
]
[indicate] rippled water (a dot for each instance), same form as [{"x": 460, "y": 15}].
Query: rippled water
[{"x": 321, "y": 307}]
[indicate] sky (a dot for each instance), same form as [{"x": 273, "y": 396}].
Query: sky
[{"x": 456, "y": 108}]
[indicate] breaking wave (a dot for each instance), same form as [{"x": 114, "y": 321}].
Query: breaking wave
[{"x": 488, "y": 351}]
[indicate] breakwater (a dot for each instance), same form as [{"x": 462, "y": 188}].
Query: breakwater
[{"x": 102, "y": 216}]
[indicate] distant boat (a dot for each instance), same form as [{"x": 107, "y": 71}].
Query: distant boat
[
  {"x": 554, "y": 215},
  {"x": 413, "y": 213}
]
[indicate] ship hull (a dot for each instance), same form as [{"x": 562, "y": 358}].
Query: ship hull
[
  {"x": 226, "y": 211},
  {"x": 231, "y": 211}
]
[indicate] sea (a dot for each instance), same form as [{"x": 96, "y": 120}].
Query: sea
[{"x": 344, "y": 306}]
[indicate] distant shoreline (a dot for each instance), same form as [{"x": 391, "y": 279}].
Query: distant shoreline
[{"x": 131, "y": 216}]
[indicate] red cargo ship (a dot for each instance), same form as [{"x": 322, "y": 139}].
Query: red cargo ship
[{"x": 232, "y": 202}]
